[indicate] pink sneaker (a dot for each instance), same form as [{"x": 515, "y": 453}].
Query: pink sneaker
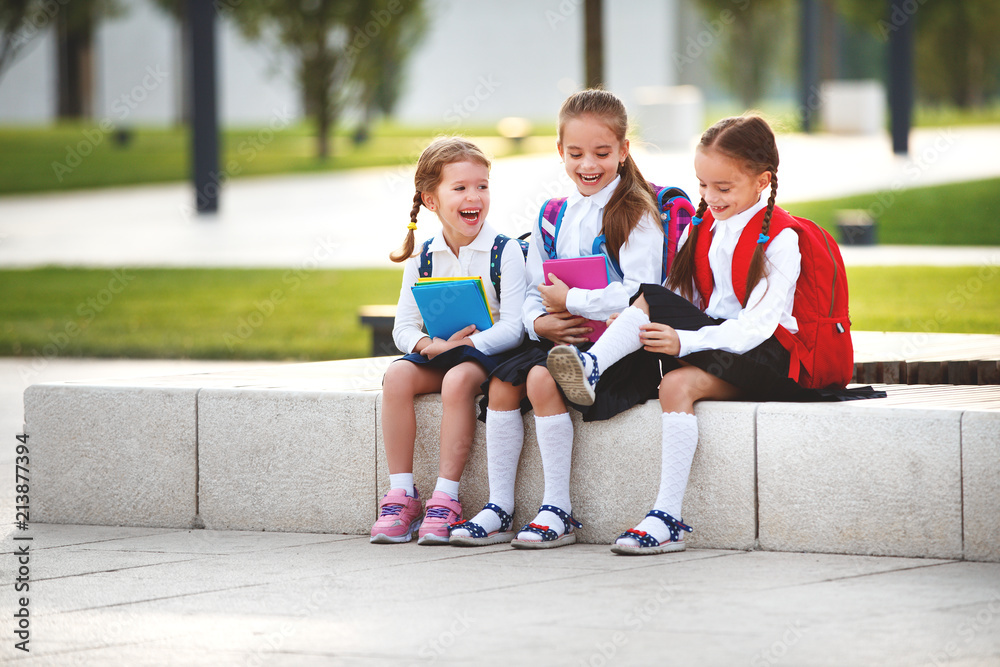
[
  {"x": 398, "y": 517},
  {"x": 442, "y": 511}
]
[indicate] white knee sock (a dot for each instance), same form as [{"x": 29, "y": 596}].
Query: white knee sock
[
  {"x": 555, "y": 443},
  {"x": 504, "y": 438},
  {"x": 680, "y": 439},
  {"x": 620, "y": 340}
]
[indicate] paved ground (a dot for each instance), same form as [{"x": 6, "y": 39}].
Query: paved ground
[{"x": 139, "y": 596}]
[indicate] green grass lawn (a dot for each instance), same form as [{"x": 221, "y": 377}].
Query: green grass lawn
[
  {"x": 284, "y": 315},
  {"x": 74, "y": 156},
  {"x": 922, "y": 216}
]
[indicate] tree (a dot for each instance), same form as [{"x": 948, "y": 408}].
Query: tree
[
  {"x": 342, "y": 49},
  {"x": 957, "y": 50},
  {"x": 746, "y": 36}
]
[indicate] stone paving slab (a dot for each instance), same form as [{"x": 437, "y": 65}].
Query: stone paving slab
[{"x": 247, "y": 598}]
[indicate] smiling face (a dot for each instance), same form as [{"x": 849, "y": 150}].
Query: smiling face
[
  {"x": 461, "y": 201},
  {"x": 724, "y": 185},
  {"x": 592, "y": 153}
]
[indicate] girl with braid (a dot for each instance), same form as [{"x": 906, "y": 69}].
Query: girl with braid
[
  {"x": 709, "y": 343},
  {"x": 452, "y": 180}
]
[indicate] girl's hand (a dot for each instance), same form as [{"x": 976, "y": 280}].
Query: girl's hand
[
  {"x": 554, "y": 295},
  {"x": 439, "y": 345},
  {"x": 612, "y": 319},
  {"x": 563, "y": 327},
  {"x": 660, "y": 338}
]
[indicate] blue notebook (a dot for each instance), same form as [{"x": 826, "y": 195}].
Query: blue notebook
[{"x": 450, "y": 305}]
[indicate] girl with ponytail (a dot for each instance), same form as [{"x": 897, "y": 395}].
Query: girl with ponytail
[
  {"x": 452, "y": 181},
  {"x": 718, "y": 329},
  {"x": 610, "y": 199}
]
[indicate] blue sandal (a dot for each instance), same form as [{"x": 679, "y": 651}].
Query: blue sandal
[
  {"x": 478, "y": 537},
  {"x": 550, "y": 538},
  {"x": 648, "y": 545}
]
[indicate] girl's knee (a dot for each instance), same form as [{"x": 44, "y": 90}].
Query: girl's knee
[
  {"x": 462, "y": 383},
  {"x": 641, "y": 304}
]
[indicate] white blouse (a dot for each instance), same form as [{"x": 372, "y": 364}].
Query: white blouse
[
  {"x": 641, "y": 259},
  {"x": 472, "y": 260},
  {"x": 770, "y": 302}
]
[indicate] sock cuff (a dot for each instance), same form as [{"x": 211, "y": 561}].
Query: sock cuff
[
  {"x": 638, "y": 313},
  {"x": 679, "y": 418},
  {"x": 553, "y": 419}
]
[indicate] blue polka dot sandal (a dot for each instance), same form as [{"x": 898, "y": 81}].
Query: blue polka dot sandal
[
  {"x": 648, "y": 545},
  {"x": 478, "y": 537},
  {"x": 550, "y": 539}
]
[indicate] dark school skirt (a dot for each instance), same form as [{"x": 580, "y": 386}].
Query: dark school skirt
[
  {"x": 456, "y": 356},
  {"x": 761, "y": 373},
  {"x": 631, "y": 381}
]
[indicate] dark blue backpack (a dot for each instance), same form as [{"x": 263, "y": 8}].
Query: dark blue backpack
[{"x": 426, "y": 266}]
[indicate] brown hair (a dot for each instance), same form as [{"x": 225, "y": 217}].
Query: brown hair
[
  {"x": 442, "y": 151},
  {"x": 749, "y": 140},
  {"x": 633, "y": 197}
]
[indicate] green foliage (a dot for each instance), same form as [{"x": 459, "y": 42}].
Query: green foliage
[
  {"x": 921, "y": 216},
  {"x": 953, "y": 299},
  {"x": 190, "y": 313},
  {"x": 348, "y": 52},
  {"x": 313, "y": 315}
]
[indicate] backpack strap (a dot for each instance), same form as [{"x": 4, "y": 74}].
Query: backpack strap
[
  {"x": 496, "y": 254},
  {"x": 425, "y": 268},
  {"x": 549, "y": 220}
]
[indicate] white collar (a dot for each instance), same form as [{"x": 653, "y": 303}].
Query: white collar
[{"x": 599, "y": 199}]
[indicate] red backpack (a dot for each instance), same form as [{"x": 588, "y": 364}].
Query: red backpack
[{"x": 822, "y": 354}]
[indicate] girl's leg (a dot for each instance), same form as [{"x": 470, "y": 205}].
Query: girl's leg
[
  {"x": 679, "y": 390},
  {"x": 504, "y": 438},
  {"x": 458, "y": 422},
  {"x": 403, "y": 382},
  {"x": 578, "y": 372},
  {"x": 555, "y": 443},
  {"x": 458, "y": 425}
]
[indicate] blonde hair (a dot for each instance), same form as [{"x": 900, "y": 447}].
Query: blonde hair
[
  {"x": 442, "y": 151},
  {"x": 750, "y": 141},
  {"x": 633, "y": 196}
]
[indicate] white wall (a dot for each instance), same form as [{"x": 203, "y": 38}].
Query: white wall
[{"x": 480, "y": 60}]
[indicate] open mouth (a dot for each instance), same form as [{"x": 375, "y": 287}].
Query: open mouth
[
  {"x": 470, "y": 216},
  {"x": 590, "y": 179}
]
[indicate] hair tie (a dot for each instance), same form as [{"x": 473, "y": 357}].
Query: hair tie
[
  {"x": 411, "y": 226},
  {"x": 763, "y": 238},
  {"x": 696, "y": 221}
]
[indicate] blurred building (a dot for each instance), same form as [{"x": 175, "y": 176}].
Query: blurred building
[{"x": 479, "y": 62}]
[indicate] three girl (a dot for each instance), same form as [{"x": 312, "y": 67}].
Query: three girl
[
  {"x": 452, "y": 180},
  {"x": 611, "y": 198}
]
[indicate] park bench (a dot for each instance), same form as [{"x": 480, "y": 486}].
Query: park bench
[{"x": 297, "y": 448}]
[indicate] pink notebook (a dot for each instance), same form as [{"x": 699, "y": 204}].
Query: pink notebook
[{"x": 590, "y": 272}]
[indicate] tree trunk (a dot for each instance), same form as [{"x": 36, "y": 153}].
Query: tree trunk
[
  {"x": 75, "y": 69},
  {"x": 593, "y": 43}
]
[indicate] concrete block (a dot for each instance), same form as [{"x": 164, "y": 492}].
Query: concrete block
[
  {"x": 857, "y": 478},
  {"x": 112, "y": 455},
  {"x": 286, "y": 460},
  {"x": 981, "y": 484},
  {"x": 670, "y": 117},
  {"x": 616, "y": 472},
  {"x": 853, "y": 107}
]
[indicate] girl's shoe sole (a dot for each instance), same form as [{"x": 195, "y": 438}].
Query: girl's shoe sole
[
  {"x": 561, "y": 541},
  {"x": 495, "y": 538},
  {"x": 567, "y": 370},
  {"x": 432, "y": 540},
  {"x": 669, "y": 547},
  {"x": 382, "y": 538}
]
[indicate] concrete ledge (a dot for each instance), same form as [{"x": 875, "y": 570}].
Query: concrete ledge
[
  {"x": 298, "y": 448},
  {"x": 296, "y": 461},
  {"x": 981, "y": 485},
  {"x": 859, "y": 479},
  {"x": 118, "y": 456},
  {"x": 616, "y": 472}
]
